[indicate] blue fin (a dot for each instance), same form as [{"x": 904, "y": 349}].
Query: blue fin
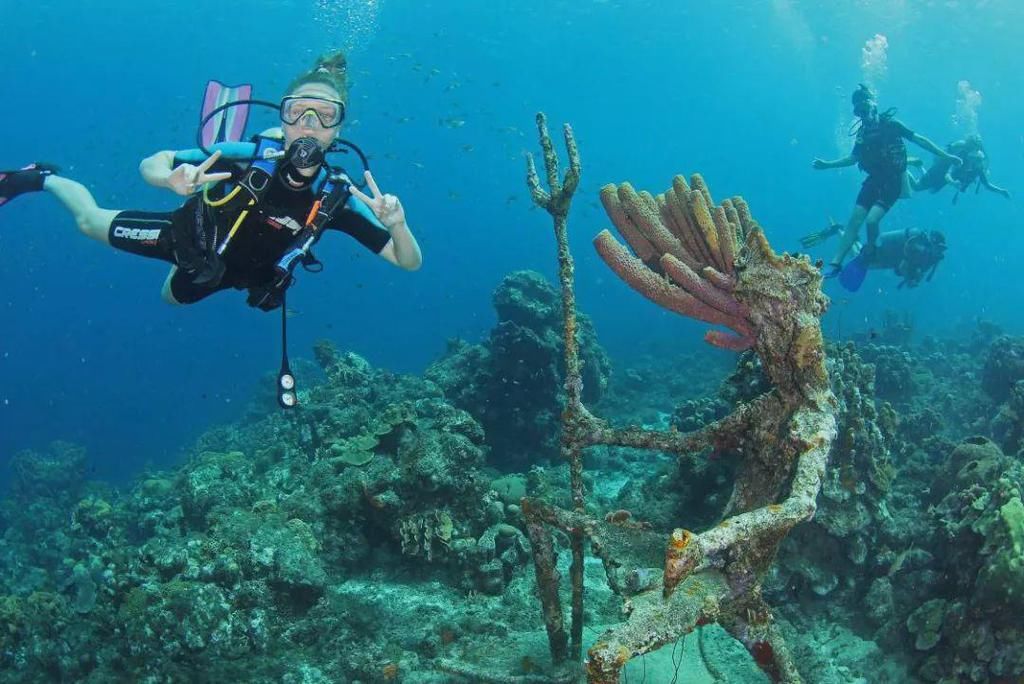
[
  {"x": 228, "y": 125},
  {"x": 853, "y": 274}
]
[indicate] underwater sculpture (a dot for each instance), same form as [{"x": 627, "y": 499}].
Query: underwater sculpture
[{"x": 712, "y": 263}]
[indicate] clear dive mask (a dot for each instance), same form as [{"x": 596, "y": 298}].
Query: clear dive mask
[{"x": 310, "y": 110}]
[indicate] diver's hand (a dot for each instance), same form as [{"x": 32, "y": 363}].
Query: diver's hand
[
  {"x": 820, "y": 164},
  {"x": 187, "y": 178},
  {"x": 386, "y": 208}
]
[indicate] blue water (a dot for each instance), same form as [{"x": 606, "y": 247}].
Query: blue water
[{"x": 747, "y": 93}]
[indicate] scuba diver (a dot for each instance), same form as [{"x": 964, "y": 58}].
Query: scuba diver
[
  {"x": 912, "y": 254},
  {"x": 282, "y": 195},
  {"x": 880, "y": 152},
  {"x": 973, "y": 170},
  {"x": 254, "y": 209}
]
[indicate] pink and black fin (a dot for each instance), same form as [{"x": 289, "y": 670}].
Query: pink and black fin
[{"x": 227, "y": 125}]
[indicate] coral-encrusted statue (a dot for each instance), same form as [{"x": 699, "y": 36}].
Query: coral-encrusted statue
[{"x": 712, "y": 263}]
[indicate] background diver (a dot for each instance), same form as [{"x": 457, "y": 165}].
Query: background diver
[
  {"x": 973, "y": 170},
  {"x": 880, "y": 152},
  {"x": 261, "y": 224},
  {"x": 912, "y": 254}
]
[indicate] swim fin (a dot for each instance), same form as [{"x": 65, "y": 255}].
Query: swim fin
[
  {"x": 853, "y": 274},
  {"x": 808, "y": 241},
  {"x": 227, "y": 125},
  {"x": 27, "y": 179}
]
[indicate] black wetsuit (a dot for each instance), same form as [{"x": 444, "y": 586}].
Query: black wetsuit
[
  {"x": 973, "y": 169},
  {"x": 259, "y": 243},
  {"x": 911, "y": 254},
  {"x": 881, "y": 153}
]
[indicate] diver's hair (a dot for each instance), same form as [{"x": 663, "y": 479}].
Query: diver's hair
[
  {"x": 330, "y": 69},
  {"x": 861, "y": 94}
]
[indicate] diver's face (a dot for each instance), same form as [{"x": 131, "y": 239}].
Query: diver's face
[
  {"x": 307, "y": 116},
  {"x": 864, "y": 110}
]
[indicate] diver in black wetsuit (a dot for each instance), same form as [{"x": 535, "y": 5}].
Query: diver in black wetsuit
[
  {"x": 912, "y": 254},
  {"x": 880, "y": 152},
  {"x": 973, "y": 170},
  {"x": 261, "y": 233}
]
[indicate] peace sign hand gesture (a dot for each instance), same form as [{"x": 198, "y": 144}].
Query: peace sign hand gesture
[
  {"x": 386, "y": 208},
  {"x": 187, "y": 178}
]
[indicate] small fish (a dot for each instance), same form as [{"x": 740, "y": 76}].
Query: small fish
[
  {"x": 468, "y": 148},
  {"x": 452, "y": 122},
  {"x": 418, "y": 165},
  {"x": 291, "y": 313}
]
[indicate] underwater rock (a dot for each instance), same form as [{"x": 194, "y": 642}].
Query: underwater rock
[
  {"x": 1007, "y": 427},
  {"x": 510, "y": 488},
  {"x": 58, "y": 473},
  {"x": 897, "y": 376},
  {"x": 512, "y": 384},
  {"x": 880, "y": 600},
  {"x": 1004, "y": 367},
  {"x": 694, "y": 414},
  {"x": 925, "y": 623},
  {"x": 84, "y": 589}
]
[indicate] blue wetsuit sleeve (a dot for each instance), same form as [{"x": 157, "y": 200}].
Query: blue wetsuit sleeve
[
  {"x": 230, "y": 151},
  {"x": 358, "y": 220}
]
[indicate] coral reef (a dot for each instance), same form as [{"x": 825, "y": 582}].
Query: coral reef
[
  {"x": 375, "y": 533},
  {"x": 251, "y": 549},
  {"x": 512, "y": 384},
  {"x": 1007, "y": 426},
  {"x": 829, "y": 553},
  {"x": 1004, "y": 367},
  {"x": 972, "y": 628}
]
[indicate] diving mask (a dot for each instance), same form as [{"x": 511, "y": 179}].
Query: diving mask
[{"x": 327, "y": 112}]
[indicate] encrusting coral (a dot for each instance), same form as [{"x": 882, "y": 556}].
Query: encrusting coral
[{"x": 712, "y": 263}]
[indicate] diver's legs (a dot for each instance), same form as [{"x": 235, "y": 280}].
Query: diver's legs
[
  {"x": 916, "y": 182},
  {"x": 92, "y": 220},
  {"x": 849, "y": 235},
  {"x": 165, "y": 293},
  {"x": 873, "y": 221}
]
